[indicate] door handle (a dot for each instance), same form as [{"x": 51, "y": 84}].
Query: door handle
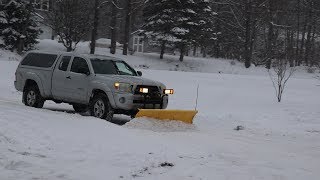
[{"x": 68, "y": 77}]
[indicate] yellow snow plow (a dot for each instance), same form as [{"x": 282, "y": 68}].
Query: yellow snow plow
[
  {"x": 164, "y": 114},
  {"x": 185, "y": 116}
]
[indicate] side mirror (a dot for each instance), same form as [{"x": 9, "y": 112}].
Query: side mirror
[{"x": 139, "y": 73}]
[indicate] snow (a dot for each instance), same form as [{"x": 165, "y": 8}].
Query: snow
[
  {"x": 3, "y": 20},
  {"x": 159, "y": 126},
  {"x": 190, "y": 11},
  {"x": 1, "y": 41},
  {"x": 180, "y": 31},
  {"x": 279, "y": 140},
  {"x": 106, "y": 42},
  {"x": 13, "y": 20}
]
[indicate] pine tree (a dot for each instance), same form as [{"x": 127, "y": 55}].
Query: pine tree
[
  {"x": 159, "y": 21},
  {"x": 181, "y": 23},
  {"x": 19, "y": 30},
  {"x": 204, "y": 27},
  {"x": 3, "y": 23},
  {"x": 185, "y": 19}
]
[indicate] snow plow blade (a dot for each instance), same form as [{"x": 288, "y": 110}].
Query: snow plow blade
[{"x": 163, "y": 114}]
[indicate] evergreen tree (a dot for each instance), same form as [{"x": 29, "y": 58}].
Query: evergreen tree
[
  {"x": 19, "y": 29},
  {"x": 204, "y": 29},
  {"x": 185, "y": 18},
  {"x": 180, "y": 23},
  {"x": 159, "y": 21},
  {"x": 3, "y": 23}
]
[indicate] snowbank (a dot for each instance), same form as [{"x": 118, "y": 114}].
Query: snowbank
[
  {"x": 105, "y": 43},
  {"x": 160, "y": 126},
  {"x": 6, "y": 55}
]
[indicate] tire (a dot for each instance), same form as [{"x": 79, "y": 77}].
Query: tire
[
  {"x": 133, "y": 114},
  {"x": 32, "y": 97},
  {"x": 101, "y": 108},
  {"x": 80, "y": 108}
]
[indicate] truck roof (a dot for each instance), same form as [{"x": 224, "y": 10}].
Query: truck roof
[
  {"x": 101, "y": 57},
  {"x": 89, "y": 56}
]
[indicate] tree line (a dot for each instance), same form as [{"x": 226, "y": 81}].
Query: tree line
[
  {"x": 259, "y": 31},
  {"x": 252, "y": 31}
]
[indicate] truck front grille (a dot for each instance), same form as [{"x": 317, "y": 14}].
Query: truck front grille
[
  {"x": 153, "y": 90},
  {"x": 151, "y": 100}
]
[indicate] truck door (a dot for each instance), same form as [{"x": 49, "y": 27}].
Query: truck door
[
  {"x": 59, "y": 79},
  {"x": 78, "y": 80}
]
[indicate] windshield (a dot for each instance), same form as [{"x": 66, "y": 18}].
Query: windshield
[{"x": 103, "y": 66}]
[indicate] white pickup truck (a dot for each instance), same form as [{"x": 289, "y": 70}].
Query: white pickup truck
[{"x": 101, "y": 84}]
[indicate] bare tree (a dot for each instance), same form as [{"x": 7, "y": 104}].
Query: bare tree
[
  {"x": 128, "y": 10},
  {"x": 113, "y": 24},
  {"x": 130, "y": 7},
  {"x": 248, "y": 31},
  {"x": 70, "y": 19},
  {"x": 270, "y": 39},
  {"x": 256, "y": 30},
  {"x": 94, "y": 31},
  {"x": 97, "y": 11},
  {"x": 279, "y": 74}
]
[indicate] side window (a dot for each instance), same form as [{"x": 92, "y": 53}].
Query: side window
[
  {"x": 63, "y": 66},
  {"x": 79, "y": 65},
  {"x": 39, "y": 60},
  {"x": 103, "y": 66}
]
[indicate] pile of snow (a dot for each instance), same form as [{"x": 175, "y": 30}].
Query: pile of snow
[
  {"x": 105, "y": 43},
  {"x": 54, "y": 45},
  {"x": 6, "y": 55},
  {"x": 160, "y": 125}
]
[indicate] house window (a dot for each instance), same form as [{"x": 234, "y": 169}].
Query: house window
[
  {"x": 41, "y": 4},
  {"x": 138, "y": 43}
]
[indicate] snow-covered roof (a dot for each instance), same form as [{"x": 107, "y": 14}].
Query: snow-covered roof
[{"x": 76, "y": 54}]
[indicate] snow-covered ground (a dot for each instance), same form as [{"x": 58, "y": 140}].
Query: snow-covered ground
[{"x": 279, "y": 140}]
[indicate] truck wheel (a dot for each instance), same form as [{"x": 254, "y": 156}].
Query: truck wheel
[
  {"x": 101, "y": 108},
  {"x": 80, "y": 108},
  {"x": 133, "y": 114},
  {"x": 32, "y": 97}
]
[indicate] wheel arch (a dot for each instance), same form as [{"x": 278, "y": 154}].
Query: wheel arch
[
  {"x": 39, "y": 100},
  {"x": 107, "y": 93},
  {"x": 33, "y": 79},
  {"x": 31, "y": 82}
]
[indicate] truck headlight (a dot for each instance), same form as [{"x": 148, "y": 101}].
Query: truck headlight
[
  {"x": 123, "y": 87},
  {"x": 168, "y": 91}
]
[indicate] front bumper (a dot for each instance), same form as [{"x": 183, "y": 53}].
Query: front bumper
[{"x": 129, "y": 102}]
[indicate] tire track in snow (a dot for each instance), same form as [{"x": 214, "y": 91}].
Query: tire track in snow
[{"x": 10, "y": 102}]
